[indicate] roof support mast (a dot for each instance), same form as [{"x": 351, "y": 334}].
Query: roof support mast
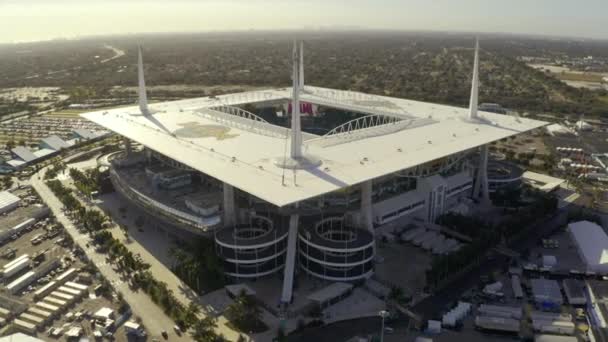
[
  {"x": 296, "y": 159},
  {"x": 143, "y": 98},
  {"x": 475, "y": 85},
  {"x": 301, "y": 79},
  {"x": 296, "y": 128}
]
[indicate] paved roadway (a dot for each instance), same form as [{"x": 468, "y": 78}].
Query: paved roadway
[{"x": 152, "y": 316}]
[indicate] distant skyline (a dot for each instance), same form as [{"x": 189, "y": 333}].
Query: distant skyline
[{"x": 34, "y": 20}]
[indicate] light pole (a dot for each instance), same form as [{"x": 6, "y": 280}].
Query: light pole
[{"x": 382, "y": 314}]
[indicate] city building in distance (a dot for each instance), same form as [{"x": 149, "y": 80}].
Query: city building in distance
[{"x": 282, "y": 199}]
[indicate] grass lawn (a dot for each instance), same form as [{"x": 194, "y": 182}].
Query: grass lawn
[
  {"x": 66, "y": 113},
  {"x": 584, "y": 77}
]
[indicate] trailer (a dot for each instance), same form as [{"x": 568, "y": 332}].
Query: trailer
[
  {"x": 22, "y": 226},
  {"x": 575, "y": 291},
  {"x": 66, "y": 276},
  {"x": 508, "y": 311},
  {"x": 25, "y": 327},
  {"x": 550, "y": 316},
  {"x": 62, "y": 296},
  {"x": 54, "y": 301},
  {"x": 45, "y": 290},
  {"x": 53, "y": 309},
  {"x": 37, "y": 239},
  {"x": 499, "y": 324},
  {"x": 76, "y": 286},
  {"x": 70, "y": 291},
  {"x": 5, "y": 313},
  {"x": 40, "y": 313},
  {"x": 46, "y": 267},
  {"x": 516, "y": 285},
  {"x": 16, "y": 268},
  {"x": 554, "y": 338},
  {"x": 21, "y": 282},
  {"x": 38, "y": 321},
  {"x": 14, "y": 261},
  {"x": 554, "y": 327}
]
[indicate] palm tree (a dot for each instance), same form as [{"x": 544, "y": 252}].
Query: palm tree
[
  {"x": 190, "y": 315},
  {"x": 203, "y": 330}
]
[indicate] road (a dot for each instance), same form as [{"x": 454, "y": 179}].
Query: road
[
  {"x": 117, "y": 53},
  {"x": 153, "y": 318}
]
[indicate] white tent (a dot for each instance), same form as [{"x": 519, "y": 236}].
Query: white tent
[{"x": 592, "y": 245}]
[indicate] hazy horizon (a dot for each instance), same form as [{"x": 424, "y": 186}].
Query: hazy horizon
[{"x": 38, "y": 20}]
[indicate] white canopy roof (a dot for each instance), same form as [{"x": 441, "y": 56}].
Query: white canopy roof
[
  {"x": 7, "y": 199},
  {"x": 592, "y": 243},
  {"x": 245, "y": 155}
]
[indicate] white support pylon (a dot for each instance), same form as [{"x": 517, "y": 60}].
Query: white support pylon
[
  {"x": 474, "y": 85},
  {"x": 296, "y": 128},
  {"x": 301, "y": 79},
  {"x": 143, "y": 97}
]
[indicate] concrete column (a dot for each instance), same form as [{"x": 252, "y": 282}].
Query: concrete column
[
  {"x": 366, "y": 206},
  {"x": 481, "y": 189},
  {"x": 148, "y": 154},
  {"x": 290, "y": 260},
  {"x": 485, "y": 190},
  {"x": 229, "y": 212},
  {"x": 128, "y": 149}
]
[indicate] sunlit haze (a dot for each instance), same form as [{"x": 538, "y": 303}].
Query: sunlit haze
[{"x": 31, "y": 20}]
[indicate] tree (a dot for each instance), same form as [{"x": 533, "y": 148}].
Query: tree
[
  {"x": 190, "y": 315},
  {"x": 7, "y": 182},
  {"x": 398, "y": 295},
  {"x": 203, "y": 330},
  {"x": 281, "y": 336},
  {"x": 245, "y": 312}
]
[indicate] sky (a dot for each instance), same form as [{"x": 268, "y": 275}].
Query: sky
[{"x": 32, "y": 20}]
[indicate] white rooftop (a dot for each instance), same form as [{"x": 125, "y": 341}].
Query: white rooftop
[
  {"x": 592, "y": 244},
  {"x": 7, "y": 200},
  {"x": 542, "y": 181},
  {"x": 20, "y": 337},
  {"x": 243, "y": 152},
  {"x": 104, "y": 312}
]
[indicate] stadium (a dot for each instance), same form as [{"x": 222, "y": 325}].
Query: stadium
[{"x": 282, "y": 191}]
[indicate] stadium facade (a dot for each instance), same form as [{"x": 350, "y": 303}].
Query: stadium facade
[{"x": 281, "y": 199}]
